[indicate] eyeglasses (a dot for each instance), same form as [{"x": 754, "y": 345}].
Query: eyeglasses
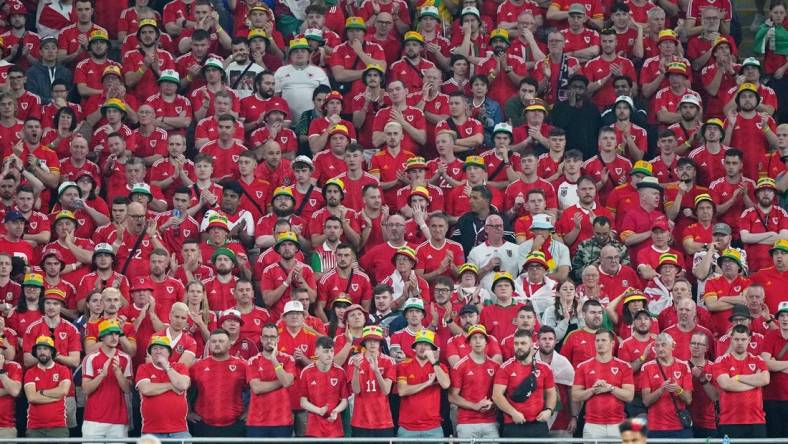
[
  {"x": 136, "y": 216},
  {"x": 442, "y": 290},
  {"x": 16, "y": 77}
]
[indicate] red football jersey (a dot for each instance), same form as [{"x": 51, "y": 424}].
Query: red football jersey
[
  {"x": 165, "y": 412},
  {"x": 323, "y": 389},
  {"x": 108, "y": 403},
  {"x": 475, "y": 382},
  {"x": 220, "y": 386},
  {"x": 371, "y": 406},
  {"x": 7, "y": 402},
  {"x": 511, "y": 374},
  {"x": 420, "y": 411},
  {"x": 272, "y": 408},
  {"x": 604, "y": 408},
  {"x": 740, "y": 407},
  {"x": 52, "y": 414},
  {"x": 662, "y": 413}
]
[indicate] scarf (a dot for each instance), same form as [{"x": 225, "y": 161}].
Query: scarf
[{"x": 776, "y": 41}]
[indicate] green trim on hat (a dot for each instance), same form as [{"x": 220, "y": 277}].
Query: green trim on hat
[
  {"x": 226, "y": 252},
  {"x": 114, "y": 328}
]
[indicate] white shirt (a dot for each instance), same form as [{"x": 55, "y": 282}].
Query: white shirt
[
  {"x": 567, "y": 195},
  {"x": 296, "y": 86},
  {"x": 482, "y": 253},
  {"x": 245, "y": 87}
]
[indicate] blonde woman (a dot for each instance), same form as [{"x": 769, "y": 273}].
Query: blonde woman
[{"x": 201, "y": 319}]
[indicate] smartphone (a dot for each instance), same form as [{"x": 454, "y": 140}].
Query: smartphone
[{"x": 177, "y": 213}]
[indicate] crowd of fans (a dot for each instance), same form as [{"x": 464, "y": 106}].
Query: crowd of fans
[{"x": 378, "y": 218}]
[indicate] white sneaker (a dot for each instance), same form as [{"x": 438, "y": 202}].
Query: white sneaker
[{"x": 756, "y": 22}]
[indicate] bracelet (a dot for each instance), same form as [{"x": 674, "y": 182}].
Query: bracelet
[
  {"x": 278, "y": 367},
  {"x": 678, "y": 393},
  {"x": 736, "y": 377}
]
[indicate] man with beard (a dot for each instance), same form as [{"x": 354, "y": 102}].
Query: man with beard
[
  {"x": 749, "y": 129},
  {"x": 273, "y": 128},
  {"x": 343, "y": 281},
  {"x": 75, "y": 39},
  {"x": 763, "y": 224},
  {"x": 134, "y": 263},
  {"x": 741, "y": 377},
  {"x": 102, "y": 276},
  {"x": 637, "y": 350},
  {"x": 279, "y": 278},
  {"x": 722, "y": 293},
  {"x": 563, "y": 422},
  {"x": 334, "y": 193},
  {"x": 578, "y": 345},
  {"x": 472, "y": 388},
  {"x": 269, "y": 374},
  {"x": 24, "y": 44},
  {"x": 219, "y": 288},
  {"x": 46, "y": 385},
  {"x": 254, "y": 109},
  {"x": 142, "y": 68},
  {"x": 410, "y": 68},
  {"x": 88, "y": 73},
  {"x": 282, "y": 205},
  {"x": 525, "y": 416},
  {"x": 687, "y": 129},
  {"x": 605, "y": 69},
  {"x": 219, "y": 380},
  {"x": 106, "y": 381},
  {"x": 420, "y": 381},
  {"x": 348, "y": 59},
  {"x": 167, "y": 290},
  {"x": 504, "y": 69},
  {"x": 240, "y": 68},
  {"x": 368, "y": 102}
]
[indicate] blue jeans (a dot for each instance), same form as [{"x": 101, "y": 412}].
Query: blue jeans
[
  {"x": 269, "y": 432},
  {"x": 437, "y": 432},
  {"x": 682, "y": 434},
  {"x": 177, "y": 435}
]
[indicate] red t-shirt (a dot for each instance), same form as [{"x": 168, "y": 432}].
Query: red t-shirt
[
  {"x": 323, "y": 389},
  {"x": 511, "y": 374},
  {"x": 331, "y": 285},
  {"x": 773, "y": 344},
  {"x": 371, "y": 406},
  {"x": 220, "y": 386},
  {"x": 755, "y": 221},
  {"x": 720, "y": 287},
  {"x": 270, "y": 408},
  {"x": 385, "y": 166},
  {"x": 220, "y": 295},
  {"x": 501, "y": 86},
  {"x": 711, "y": 167},
  {"x": 414, "y": 117},
  {"x": 500, "y": 321},
  {"x": 740, "y": 407},
  {"x": 631, "y": 349},
  {"x": 475, "y": 382},
  {"x": 604, "y": 408},
  {"x": 274, "y": 275},
  {"x": 662, "y": 413},
  {"x": 53, "y": 414},
  {"x": 108, "y": 403},
  {"x": 772, "y": 281},
  {"x": 618, "y": 171},
  {"x": 166, "y": 412},
  {"x": 519, "y": 187},
  {"x": 7, "y": 402},
  {"x": 579, "y": 346},
  {"x": 420, "y": 411}
]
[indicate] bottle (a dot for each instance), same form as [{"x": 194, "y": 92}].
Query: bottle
[{"x": 726, "y": 440}]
